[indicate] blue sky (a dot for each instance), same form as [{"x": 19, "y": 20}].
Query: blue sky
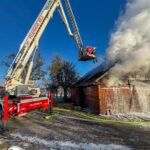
[{"x": 95, "y": 19}]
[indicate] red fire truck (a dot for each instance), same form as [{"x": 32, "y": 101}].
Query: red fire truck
[{"x": 19, "y": 94}]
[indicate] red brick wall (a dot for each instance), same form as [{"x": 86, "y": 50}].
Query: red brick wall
[
  {"x": 116, "y": 100},
  {"x": 91, "y": 98},
  {"x": 122, "y": 99},
  {"x": 125, "y": 99}
]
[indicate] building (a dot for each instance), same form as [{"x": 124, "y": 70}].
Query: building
[{"x": 132, "y": 96}]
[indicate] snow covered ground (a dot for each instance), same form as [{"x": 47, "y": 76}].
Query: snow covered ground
[
  {"x": 68, "y": 145},
  {"x": 71, "y": 132},
  {"x": 132, "y": 117}
]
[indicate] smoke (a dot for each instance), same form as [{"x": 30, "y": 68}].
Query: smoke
[{"x": 129, "y": 46}]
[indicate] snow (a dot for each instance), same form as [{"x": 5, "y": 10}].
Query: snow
[{"x": 67, "y": 145}]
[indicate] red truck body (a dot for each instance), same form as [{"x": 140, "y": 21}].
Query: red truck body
[{"x": 22, "y": 105}]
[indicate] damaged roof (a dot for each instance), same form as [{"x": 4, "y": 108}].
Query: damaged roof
[{"x": 93, "y": 76}]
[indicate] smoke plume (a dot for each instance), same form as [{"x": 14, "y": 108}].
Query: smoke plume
[{"x": 129, "y": 46}]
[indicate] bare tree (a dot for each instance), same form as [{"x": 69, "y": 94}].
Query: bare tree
[
  {"x": 37, "y": 71},
  {"x": 69, "y": 76},
  {"x": 55, "y": 72},
  {"x": 8, "y": 60},
  {"x": 63, "y": 74}
]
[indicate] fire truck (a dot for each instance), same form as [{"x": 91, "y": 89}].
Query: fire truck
[{"x": 19, "y": 95}]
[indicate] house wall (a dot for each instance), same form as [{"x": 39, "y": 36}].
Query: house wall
[
  {"x": 87, "y": 97},
  {"x": 125, "y": 99},
  {"x": 91, "y": 98},
  {"x": 121, "y": 99}
]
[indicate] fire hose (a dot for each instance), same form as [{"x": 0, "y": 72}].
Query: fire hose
[{"x": 57, "y": 112}]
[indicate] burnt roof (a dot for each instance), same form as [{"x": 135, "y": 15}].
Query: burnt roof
[{"x": 91, "y": 77}]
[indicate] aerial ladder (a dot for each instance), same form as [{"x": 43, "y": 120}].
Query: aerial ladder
[
  {"x": 15, "y": 83},
  {"x": 19, "y": 94}
]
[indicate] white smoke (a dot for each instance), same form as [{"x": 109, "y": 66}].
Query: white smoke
[{"x": 129, "y": 47}]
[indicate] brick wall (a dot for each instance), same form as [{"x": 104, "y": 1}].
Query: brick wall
[
  {"x": 122, "y": 99},
  {"x": 125, "y": 99},
  {"x": 91, "y": 98}
]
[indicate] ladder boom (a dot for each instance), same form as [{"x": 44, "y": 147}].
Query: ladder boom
[
  {"x": 27, "y": 50},
  {"x": 29, "y": 44},
  {"x": 74, "y": 24}
]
